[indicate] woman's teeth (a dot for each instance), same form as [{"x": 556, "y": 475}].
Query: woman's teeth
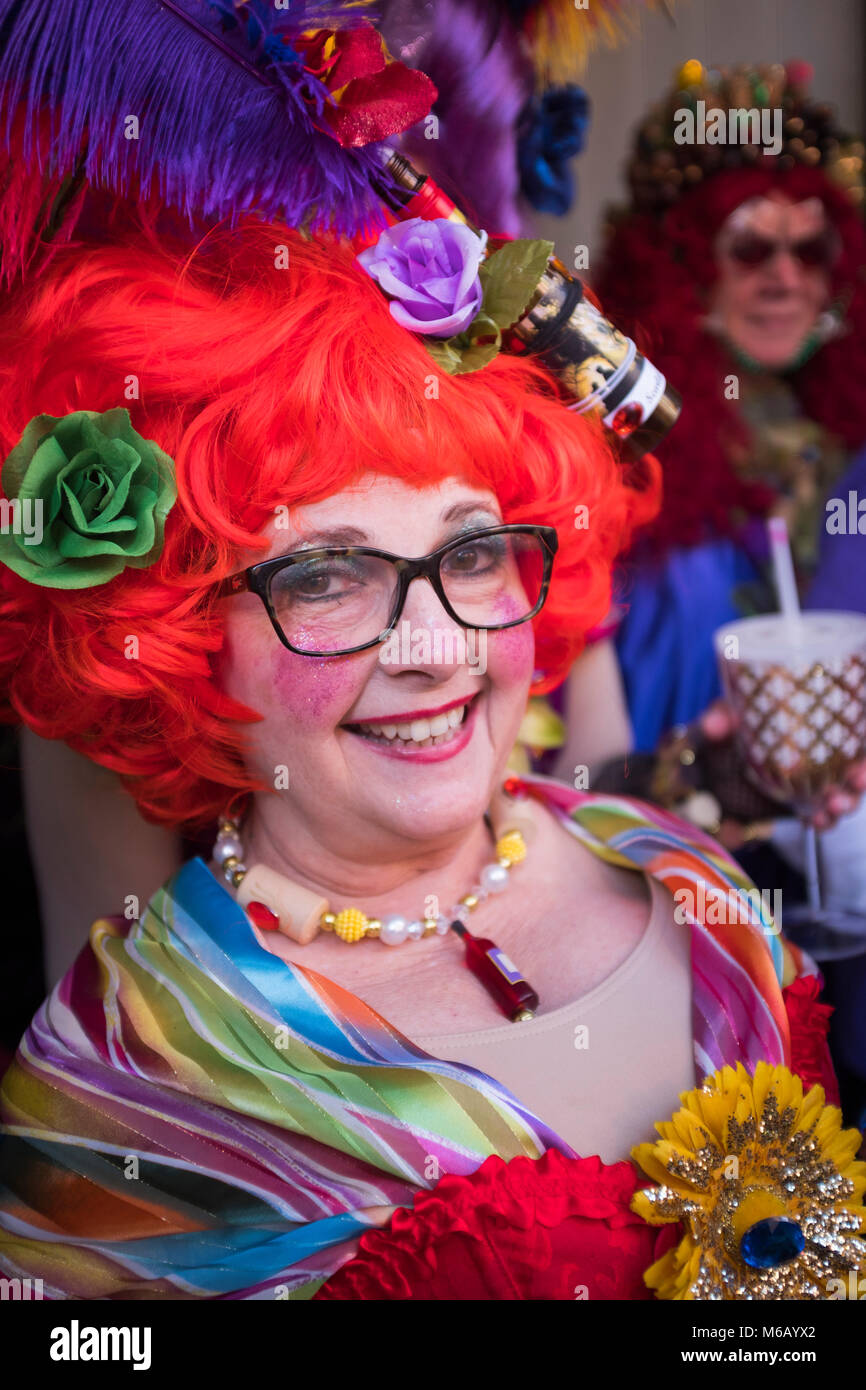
[{"x": 423, "y": 733}]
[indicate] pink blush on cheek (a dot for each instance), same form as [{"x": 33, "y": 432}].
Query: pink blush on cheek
[
  {"x": 513, "y": 649},
  {"x": 315, "y": 688}
]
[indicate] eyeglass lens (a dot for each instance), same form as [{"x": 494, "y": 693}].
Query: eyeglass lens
[{"x": 335, "y": 602}]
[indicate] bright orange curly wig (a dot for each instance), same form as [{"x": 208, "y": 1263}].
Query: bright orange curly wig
[{"x": 268, "y": 386}]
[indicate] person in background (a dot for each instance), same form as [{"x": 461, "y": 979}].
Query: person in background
[{"x": 742, "y": 271}]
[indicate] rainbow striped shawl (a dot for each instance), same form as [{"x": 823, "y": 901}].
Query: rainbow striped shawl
[{"x": 190, "y": 1117}]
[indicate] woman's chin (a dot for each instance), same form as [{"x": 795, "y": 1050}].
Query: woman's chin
[
  {"x": 422, "y": 797},
  {"x": 430, "y": 818},
  {"x": 770, "y": 348}
]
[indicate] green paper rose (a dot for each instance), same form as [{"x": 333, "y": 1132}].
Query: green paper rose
[{"x": 92, "y": 498}]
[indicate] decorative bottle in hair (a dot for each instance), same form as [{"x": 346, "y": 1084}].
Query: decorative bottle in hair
[{"x": 596, "y": 365}]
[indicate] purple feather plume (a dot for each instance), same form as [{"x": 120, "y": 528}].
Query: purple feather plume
[
  {"x": 473, "y": 54},
  {"x": 226, "y": 115}
]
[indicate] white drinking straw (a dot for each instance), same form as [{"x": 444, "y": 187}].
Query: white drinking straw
[
  {"x": 789, "y": 604},
  {"x": 783, "y": 568}
]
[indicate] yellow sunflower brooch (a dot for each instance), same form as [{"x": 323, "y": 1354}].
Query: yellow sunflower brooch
[{"x": 765, "y": 1180}]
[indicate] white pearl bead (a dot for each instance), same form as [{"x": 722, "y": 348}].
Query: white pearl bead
[
  {"x": 394, "y": 930},
  {"x": 494, "y": 878},
  {"x": 415, "y": 931},
  {"x": 226, "y": 847}
]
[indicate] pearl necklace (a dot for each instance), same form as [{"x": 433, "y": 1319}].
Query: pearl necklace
[
  {"x": 273, "y": 903},
  {"x": 350, "y": 924}
]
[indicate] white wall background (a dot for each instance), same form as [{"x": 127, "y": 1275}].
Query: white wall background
[{"x": 622, "y": 83}]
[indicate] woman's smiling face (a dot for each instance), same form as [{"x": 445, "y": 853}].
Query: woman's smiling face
[
  {"x": 406, "y": 738},
  {"x": 769, "y": 308}
]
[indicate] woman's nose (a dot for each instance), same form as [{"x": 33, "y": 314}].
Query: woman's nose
[
  {"x": 425, "y": 637},
  {"x": 785, "y": 269}
]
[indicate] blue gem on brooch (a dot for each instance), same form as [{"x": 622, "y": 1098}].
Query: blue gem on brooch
[{"x": 772, "y": 1242}]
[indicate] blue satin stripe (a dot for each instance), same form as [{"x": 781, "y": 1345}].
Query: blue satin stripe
[{"x": 227, "y": 1259}]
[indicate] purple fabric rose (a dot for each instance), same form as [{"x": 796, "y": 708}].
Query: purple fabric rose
[{"x": 430, "y": 271}]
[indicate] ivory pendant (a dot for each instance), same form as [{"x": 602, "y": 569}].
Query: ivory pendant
[{"x": 298, "y": 909}]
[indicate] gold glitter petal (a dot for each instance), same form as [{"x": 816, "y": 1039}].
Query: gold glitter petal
[
  {"x": 713, "y": 1111},
  {"x": 690, "y": 1130}
]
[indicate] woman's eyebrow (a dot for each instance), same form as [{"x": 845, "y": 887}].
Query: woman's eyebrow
[
  {"x": 351, "y": 535},
  {"x": 337, "y": 535},
  {"x": 460, "y": 510}
]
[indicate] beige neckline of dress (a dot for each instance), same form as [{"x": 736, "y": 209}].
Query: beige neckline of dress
[{"x": 660, "y": 914}]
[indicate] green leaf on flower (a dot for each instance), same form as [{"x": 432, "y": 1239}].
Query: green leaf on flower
[
  {"x": 476, "y": 356},
  {"x": 509, "y": 277},
  {"x": 444, "y": 354}
]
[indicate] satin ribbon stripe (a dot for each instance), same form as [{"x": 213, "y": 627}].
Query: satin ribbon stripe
[
  {"x": 641, "y": 835},
  {"x": 269, "y": 1112}
]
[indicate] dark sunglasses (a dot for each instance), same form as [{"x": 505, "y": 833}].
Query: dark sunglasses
[
  {"x": 813, "y": 253},
  {"x": 336, "y": 600}
]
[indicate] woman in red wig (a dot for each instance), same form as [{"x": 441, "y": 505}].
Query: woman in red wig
[
  {"x": 744, "y": 269},
  {"x": 740, "y": 265},
  {"x": 297, "y": 593},
  {"x": 743, "y": 273}
]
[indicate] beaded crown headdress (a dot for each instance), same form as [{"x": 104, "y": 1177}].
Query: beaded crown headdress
[{"x": 661, "y": 170}]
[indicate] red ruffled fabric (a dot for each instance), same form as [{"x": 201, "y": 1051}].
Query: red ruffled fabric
[
  {"x": 809, "y": 1022},
  {"x": 549, "y": 1228}
]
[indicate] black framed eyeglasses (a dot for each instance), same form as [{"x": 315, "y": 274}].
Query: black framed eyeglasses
[{"x": 342, "y": 599}]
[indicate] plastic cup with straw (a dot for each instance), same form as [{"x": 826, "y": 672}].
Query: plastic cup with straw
[{"x": 796, "y": 683}]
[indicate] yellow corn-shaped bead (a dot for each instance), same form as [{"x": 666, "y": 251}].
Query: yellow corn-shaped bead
[
  {"x": 511, "y": 846},
  {"x": 350, "y": 924}
]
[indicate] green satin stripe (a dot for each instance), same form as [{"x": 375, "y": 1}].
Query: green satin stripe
[
  {"x": 503, "y": 1133},
  {"x": 592, "y": 827},
  {"x": 604, "y": 823}
]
